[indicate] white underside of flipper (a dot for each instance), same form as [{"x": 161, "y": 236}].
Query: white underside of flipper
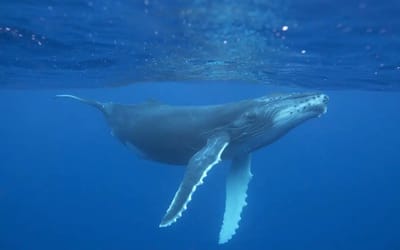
[
  {"x": 196, "y": 171},
  {"x": 236, "y": 193}
]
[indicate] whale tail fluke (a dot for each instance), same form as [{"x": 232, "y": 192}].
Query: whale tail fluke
[{"x": 92, "y": 103}]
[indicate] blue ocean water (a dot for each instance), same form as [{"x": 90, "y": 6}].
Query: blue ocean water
[
  {"x": 112, "y": 43},
  {"x": 66, "y": 183}
]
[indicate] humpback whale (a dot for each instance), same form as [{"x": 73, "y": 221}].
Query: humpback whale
[{"x": 199, "y": 137}]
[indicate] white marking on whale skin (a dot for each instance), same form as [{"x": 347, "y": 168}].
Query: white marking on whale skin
[
  {"x": 325, "y": 110},
  {"x": 236, "y": 198},
  {"x": 73, "y": 97},
  {"x": 184, "y": 207},
  {"x": 224, "y": 237}
]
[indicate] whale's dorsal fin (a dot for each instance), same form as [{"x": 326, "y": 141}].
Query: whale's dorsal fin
[
  {"x": 236, "y": 193},
  {"x": 197, "y": 169}
]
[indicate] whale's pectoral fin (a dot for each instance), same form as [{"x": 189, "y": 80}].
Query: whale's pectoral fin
[
  {"x": 197, "y": 169},
  {"x": 236, "y": 187}
]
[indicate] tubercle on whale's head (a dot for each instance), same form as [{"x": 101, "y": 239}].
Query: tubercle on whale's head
[{"x": 292, "y": 109}]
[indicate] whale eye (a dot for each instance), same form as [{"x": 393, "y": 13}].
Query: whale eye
[
  {"x": 245, "y": 119},
  {"x": 250, "y": 116}
]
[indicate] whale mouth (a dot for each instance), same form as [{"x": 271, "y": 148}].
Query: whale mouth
[
  {"x": 319, "y": 106},
  {"x": 314, "y": 104},
  {"x": 300, "y": 107},
  {"x": 322, "y": 108}
]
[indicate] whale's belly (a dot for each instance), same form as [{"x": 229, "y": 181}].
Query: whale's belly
[{"x": 165, "y": 144}]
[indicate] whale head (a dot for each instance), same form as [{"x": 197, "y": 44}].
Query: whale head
[
  {"x": 293, "y": 109},
  {"x": 272, "y": 117}
]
